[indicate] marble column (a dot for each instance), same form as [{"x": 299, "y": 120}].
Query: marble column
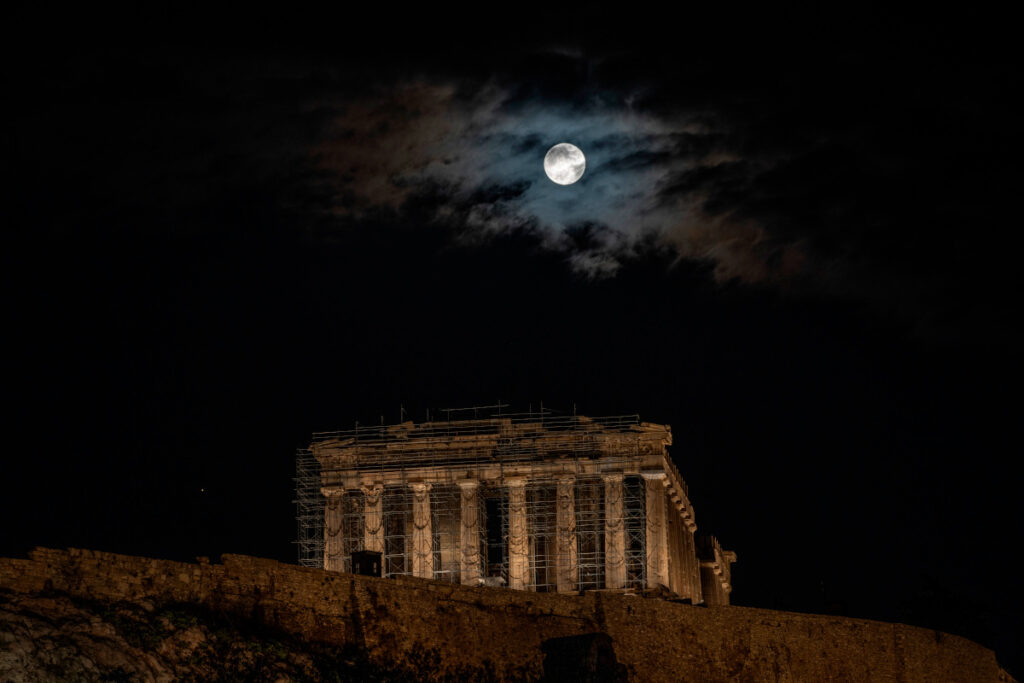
[
  {"x": 373, "y": 518},
  {"x": 518, "y": 552},
  {"x": 657, "y": 531},
  {"x": 690, "y": 548},
  {"x": 334, "y": 536},
  {"x": 673, "y": 528},
  {"x": 469, "y": 539},
  {"x": 566, "y": 558},
  {"x": 686, "y": 569},
  {"x": 422, "y": 532},
  {"x": 614, "y": 532}
]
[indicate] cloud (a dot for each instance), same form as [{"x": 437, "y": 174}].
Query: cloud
[
  {"x": 823, "y": 177},
  {"x": 880, "y": 171},
  {"x": 477, "y": 153}
]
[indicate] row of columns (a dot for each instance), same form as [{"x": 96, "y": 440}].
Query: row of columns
[
  {"x": 470, "y": 561},
  {"x": 671, "y": 551}
]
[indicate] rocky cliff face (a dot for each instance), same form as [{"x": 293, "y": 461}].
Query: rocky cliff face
[
  {"x": 58, "y": 638},
  {"x": 83, "y": 615}
]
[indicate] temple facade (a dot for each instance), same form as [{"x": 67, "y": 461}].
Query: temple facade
[{"x": 532, "y": 502}]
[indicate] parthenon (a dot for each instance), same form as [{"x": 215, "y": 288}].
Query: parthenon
[{"x": 531, "y": 501}]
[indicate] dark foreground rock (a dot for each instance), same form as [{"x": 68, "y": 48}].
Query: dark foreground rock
[{"x": 59, "y": 638}]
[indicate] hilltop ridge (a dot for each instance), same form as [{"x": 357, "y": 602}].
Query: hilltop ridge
[{"x": 88, "y": 615}]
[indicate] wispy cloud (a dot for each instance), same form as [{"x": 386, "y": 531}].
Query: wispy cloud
[{"x": 478, "y": 154}]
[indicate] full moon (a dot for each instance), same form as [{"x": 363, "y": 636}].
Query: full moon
[{"x": 564, "y": 163}]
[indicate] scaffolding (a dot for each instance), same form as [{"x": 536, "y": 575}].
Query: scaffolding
[
  {"x": 634, "y": 516},
  {"x": 309, "y": 510},
  {"x": 501, "y": 444}
]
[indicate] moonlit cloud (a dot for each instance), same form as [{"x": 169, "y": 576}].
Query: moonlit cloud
[
  {"x": 479, "y": 154},
  {"x": 808, "y": 182}
]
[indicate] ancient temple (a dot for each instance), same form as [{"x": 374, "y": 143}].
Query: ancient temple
[{"x": 531, "y": 501}]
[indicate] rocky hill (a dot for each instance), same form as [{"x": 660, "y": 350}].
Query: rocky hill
[
  {"x": 84, "y": 615},
  {"x": 57, "y": 637}
]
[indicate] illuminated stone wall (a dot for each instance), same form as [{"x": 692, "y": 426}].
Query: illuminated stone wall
[{"x": 464, "y": 629}]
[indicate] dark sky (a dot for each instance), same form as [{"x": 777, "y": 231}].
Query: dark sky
[{"x": 795, "y": 242}]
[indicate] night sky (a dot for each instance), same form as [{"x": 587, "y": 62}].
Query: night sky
[{"x": 795, "y": 242}]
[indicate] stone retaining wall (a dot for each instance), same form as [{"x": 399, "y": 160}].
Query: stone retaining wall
[{"x": 450, "y": 628}]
